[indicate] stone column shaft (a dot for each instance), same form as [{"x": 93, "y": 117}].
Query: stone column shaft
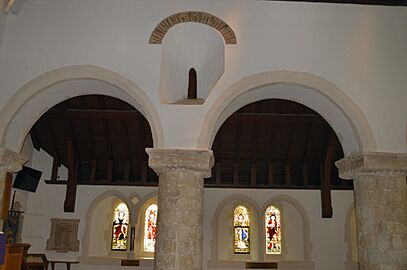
[
  {"x": 381, "y": 208},
  {"x": 180, "y": 206}
]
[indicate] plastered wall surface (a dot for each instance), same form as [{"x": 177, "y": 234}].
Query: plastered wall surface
[{"x": 360, "y": 49}]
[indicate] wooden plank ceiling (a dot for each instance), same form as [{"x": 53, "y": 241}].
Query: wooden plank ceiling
[
  {"x": 109, "y": 138},
  {"x": 276, "y": 144},
  {"x": 268, "y": 144}
]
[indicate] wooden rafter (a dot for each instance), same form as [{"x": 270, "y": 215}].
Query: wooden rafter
[
  {"x": 70, "y": 196},
  {"x": 326, "y": 178}
]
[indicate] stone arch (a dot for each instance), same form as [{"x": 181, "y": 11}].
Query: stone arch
[
  {"x": 95, "y": 203},
  {"x": 303, "y": 213},
  {"x": 218, "y": 24},
  {"x": 238, "y": 199},
  {"x": 315, "y": 92},
  {"x": 11, "y": 120}
]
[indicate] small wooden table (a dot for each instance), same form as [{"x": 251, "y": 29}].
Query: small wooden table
[
  {"x": 67, "y": 263},
  {"x": 36, "y": 261}
]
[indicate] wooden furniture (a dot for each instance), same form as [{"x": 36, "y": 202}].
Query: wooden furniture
[
  {"x": 67, "y": 263},
  {"x": 15, "y": 254},
  {"x": 36, "y": 262}
]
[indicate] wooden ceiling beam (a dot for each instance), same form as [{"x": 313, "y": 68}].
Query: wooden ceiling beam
[
  {"x": 89, "y": 126},
  {"x": 52, "y": 143},
  {"x": 106, "y": 133},
  {"x": 326, "y": 200},
  {"x": 277, "y": 117},
  {"x": 236, "y": 142},
  {"x": 70, "y": 196},
  {"x": 107, "y": 114}
]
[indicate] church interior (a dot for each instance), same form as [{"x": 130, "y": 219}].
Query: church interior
[{"x": 189, "y": 135}]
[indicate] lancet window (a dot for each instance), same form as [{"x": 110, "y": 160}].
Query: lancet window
[
  {"x": 120, "y": 227},
  {"x": 273, "y": 230},
  {"x": 241, "y": 225},
  {"x": 150, "y": 226}
]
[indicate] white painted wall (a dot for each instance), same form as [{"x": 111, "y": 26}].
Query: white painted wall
[
  {"x": 2, "y": 24},
  {"x": 360, "y": 49}
]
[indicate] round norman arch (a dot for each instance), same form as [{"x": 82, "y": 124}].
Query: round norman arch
[
  {"x": 218, "y": 24},
  {"x": 342, "y": 114},
  {"x": 12, "y": 120}
]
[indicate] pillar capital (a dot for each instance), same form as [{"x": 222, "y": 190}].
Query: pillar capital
[
  {"x": 372, "y": 163},
  {"x": 163, "y": 160},
  {"x": 11, "y": 161}
]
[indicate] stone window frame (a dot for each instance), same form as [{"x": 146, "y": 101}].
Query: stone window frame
[
  {"x": 115, "y": 205},
  {"x": 139, "y": 241},
  {"x": 137, "y": 205},
  {"x": 236, "y": 199}
]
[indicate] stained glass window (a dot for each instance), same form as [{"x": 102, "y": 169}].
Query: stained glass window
[
  {"x": 150, "y": 228},
  {"x": 273, "y": 230},
  {"x": 120, "y": 227},
  {"x": 241, "y": 225}
]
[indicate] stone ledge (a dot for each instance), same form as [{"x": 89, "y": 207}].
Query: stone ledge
[
  {"x": 198, "y": 101},
  {"x": 163, "y": 160},
  {"x": 372, "y": 163},
  {"x": 230, "y": 264},
  {"x": 96, "y": 260}
]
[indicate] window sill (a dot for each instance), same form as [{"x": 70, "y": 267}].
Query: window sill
[
  {"x": 114, "y": 261},
  {"x": 242, "y": 264}
]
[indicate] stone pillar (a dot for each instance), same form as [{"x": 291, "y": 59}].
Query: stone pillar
[
  {"x": 381, "y": 208},
  {"x": 180, "y": 206},
  {"x": 9, "y": 162}
]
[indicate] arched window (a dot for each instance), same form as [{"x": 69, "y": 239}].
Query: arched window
[
  {"x": 150, "y": 226},
  {"x": 120, "y": 227},
  {"x": 241, "y": 225},
  {"x": 192, "y": 81},
  {"x": 272, "y": 227}
]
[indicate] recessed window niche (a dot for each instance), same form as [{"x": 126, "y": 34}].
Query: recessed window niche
[{"x": 192, "y": 61}]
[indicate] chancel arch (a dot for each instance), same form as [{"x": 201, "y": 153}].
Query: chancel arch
[
  {"x": 101, "y": 140},
  {"x": 317, "y": 93},
  {"x": 279, "y": 144},
  {"x": 34, "y": 98}
]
